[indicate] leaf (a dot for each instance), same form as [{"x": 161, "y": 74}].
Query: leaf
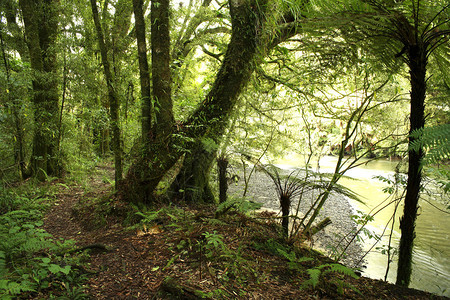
[
  {"x": 314, "y": 275},
  {"x": 66, "y": 270},
  {"x": 55, "y": 269},
  {"x": 46, "y": 260}
]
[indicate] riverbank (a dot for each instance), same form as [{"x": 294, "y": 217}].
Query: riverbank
[
  {"x": 178, "y": 251},
  {"x": 261, "y": 189}
]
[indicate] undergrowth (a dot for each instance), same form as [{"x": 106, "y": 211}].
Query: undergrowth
[
  {"x": 231, "y": 250},
  {"x": 32, "y": 262}
]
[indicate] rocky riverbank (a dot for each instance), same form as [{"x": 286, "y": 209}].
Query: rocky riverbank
[{"x": 261, "y": 189}]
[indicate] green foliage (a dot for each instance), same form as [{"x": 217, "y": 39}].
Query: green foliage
[
  {"x": 214, "y": 243},
  {"x": 209, "y": 145},
  {"x": 434, "y": 139},
  {"x": 171, "y": 215},
  {"x": 231, "y": 261},
  {"x": 30, "y": 259},
  {"x": 394, "y": 182},
  {"x": 237, "y": 204},
  {"x": 317, "y": 275},
  {"x": 294, "y": 262},
  {"x": 283, "y": 251}
]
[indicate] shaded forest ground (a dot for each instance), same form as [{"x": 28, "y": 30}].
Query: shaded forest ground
[{"x": 178, "y": 252}]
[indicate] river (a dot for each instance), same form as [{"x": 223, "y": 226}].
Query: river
[{"x": 431, "y": 254}]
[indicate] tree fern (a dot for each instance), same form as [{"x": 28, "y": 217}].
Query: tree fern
[{"x": 435, "y": 140}]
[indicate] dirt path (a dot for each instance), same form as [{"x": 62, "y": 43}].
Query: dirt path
[
  {"x": 60, "y": 220},
  {"x": 124, "y": 271}
]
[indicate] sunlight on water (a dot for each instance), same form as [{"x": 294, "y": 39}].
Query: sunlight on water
[{"x": 431, "y": 256}]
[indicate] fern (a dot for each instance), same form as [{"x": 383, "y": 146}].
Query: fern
[
  {"x": 435, "y": 140},
  {"x": 14, "y": 288},
  {"x": 316, "y": 275},
  {"x": 237, "y": 204},
  {"x": 338, "y": 268}
]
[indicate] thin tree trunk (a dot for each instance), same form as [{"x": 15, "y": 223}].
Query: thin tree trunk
[
  {"x": 146, "y": 122},
  {"x": 417, "y": 64},
  {"x": 113, "y": 99},
  {"x": 63, "y": 99},
  {"x": 222, "y": 166}
]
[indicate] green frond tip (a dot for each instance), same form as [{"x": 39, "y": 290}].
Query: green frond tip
[
  {"x": 314, "y": 275},
  {"x": 338, "y": 268},
  {"x": 434, "y": 140}
]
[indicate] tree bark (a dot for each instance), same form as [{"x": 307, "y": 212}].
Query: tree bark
[
  {"x": 113, "y": 99},
  {"x": 222, "y": 166},
  {"x": 192, "y": 182},
  {"x": 161, "y": 75},
  {"x": 417, "y": 60},
  {"x": 41, "y": 23},
  {"x": 144, "y": 75}
]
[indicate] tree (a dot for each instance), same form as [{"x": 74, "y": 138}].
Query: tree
[
  {"x": 210, "y": 119},
  {"x": 250, "y": 40},
  {"x": 41, "y": 29},
  {"x": 420, "y": 35},
  {"x": 112, "y": 95},
  {"x": 144, "y": 75},
  {"x": 411, "y": 31}
]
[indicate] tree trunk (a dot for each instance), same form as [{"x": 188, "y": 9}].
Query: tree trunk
[
  {"x": 146, "y": 122},
  {"x": 417, "y": 60},
  {"x": 238, "y": 65},
  {"x": 222, "y": 166},
  {"x": 161, "y": 77},
  {"x": 192, "y": 182},
  {"x": 285, "y": 202},
  {"x": 41, "y": 23},
  {"x": 113, "y": 99}
]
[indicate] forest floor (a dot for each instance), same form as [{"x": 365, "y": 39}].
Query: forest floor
[{"x": 180, "y": 252}]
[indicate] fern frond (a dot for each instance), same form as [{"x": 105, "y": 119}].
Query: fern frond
[
  {"x": 338, "y": 268},
  {"x": 433, "y": 139},
  {"x": 314, "y": 275}
]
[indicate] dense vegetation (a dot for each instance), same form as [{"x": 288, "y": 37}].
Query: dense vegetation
[{"x": 178, "y": 92}]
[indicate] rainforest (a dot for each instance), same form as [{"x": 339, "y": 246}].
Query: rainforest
[{"x": 209, "y": 149}]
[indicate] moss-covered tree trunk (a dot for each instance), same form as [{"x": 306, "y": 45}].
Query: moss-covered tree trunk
[
  {"x": 192, "y": 182},
  {"x": 144, "y": 75},
  {"x": 41, "y": 23},
  {"x": 161, "y": 75},
  {"x": 238, "y": 65}
]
